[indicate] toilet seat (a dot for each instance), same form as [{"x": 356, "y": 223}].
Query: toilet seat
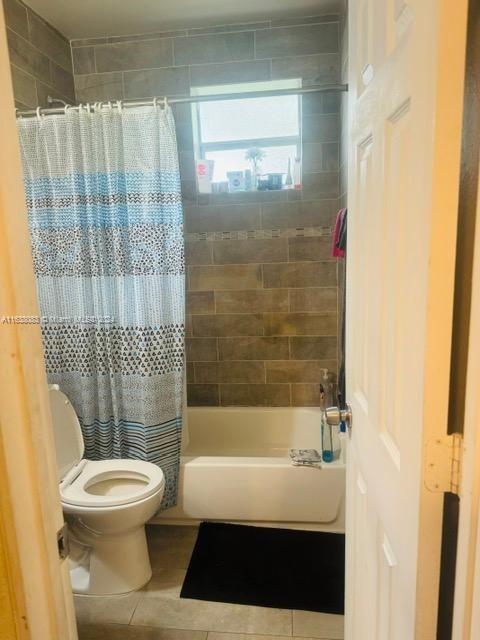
[{"x": 110, "y": 483}]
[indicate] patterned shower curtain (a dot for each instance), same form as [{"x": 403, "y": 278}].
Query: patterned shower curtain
[{"x": 105, "y": 215}]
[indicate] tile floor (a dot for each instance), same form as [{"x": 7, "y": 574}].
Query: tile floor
[{"x": 158, "y": 613}]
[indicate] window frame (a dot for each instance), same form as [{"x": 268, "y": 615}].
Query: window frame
[{"x": 202, "y": 148}]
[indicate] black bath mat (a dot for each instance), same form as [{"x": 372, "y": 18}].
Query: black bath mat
[{"x": 267, "y": 567}]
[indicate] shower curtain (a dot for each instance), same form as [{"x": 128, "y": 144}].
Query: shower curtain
[{"x": 105, "y": 216}]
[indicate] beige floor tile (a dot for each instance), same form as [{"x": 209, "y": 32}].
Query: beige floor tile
[
  {"x": 170, "y": 546},
  {"x": 106, "y": 609},
  {"x": 125, "y": 632},
  {"x": 211, "y": 616},
  {"x": 317, "y": 625},
  {"x": 213, "y": 635},
  {"x": 165, "y": 583}
]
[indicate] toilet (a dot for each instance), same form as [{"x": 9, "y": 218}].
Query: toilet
[{"x": 106, "y": 504}]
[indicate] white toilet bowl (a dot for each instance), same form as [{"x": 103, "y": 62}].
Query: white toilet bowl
[{"x": 107, "y": 504}]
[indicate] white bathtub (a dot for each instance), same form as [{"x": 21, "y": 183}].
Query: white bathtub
[{"x": 236, "y": 467}]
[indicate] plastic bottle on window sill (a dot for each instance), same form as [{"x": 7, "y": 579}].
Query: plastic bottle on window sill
[{"x": 297, "y": 174}]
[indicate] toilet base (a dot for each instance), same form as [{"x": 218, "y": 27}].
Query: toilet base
[{"x": 108, "y": 564}]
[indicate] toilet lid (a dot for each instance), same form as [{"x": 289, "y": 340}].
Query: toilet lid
[{"x": 68, "y": 437}]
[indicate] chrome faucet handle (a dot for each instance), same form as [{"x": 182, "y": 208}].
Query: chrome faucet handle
[{"x": 335, "y": 415}]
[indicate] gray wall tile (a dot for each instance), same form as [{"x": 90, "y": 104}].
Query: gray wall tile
[
  {"x": 252, "y": 348},
  {"x": 316, "y": 186},
  {"x": 291, "y": 215},
  {"x": 139, "y": 54},
  {"x": 241, "y": 276},
  {"x": 156, "y": 82},
  {"x": 313, "y": 69},
  {"x": 251, "y": 301},
  {"x": 201, "y": 349},
  {"x": 224, "y": 324},
  {"x": 296, "y": 371},
  {"x": 229, "y": 72},
  {"x": 62, "y": 80},
  {"x": 255, "y": 395},
  {"x": 198, "y": 252},
  {"x": 296, "y": 41},
  {"x": 247, "y": 251},
  {"x": 234, "y": 372},
  {"x": 16, "y": 17},
  {"x": 313, "y": 348},
  {"x": 201, "y": 395},
  {"x": 300, "y": 274},
  {"x": 314, "y": 299},
  {"x": 306, "y": 248},
  {"x": 200, "y": 302},
  {"x": 24, "y": 87},
  {"x": 222, "y": 218},
  {"x": 321, "y": 128},
  {"x": 225, "y": 47},
  {"x": 228, "y": 28},
  {"x": 99, "y": 86},
  {"x": 300, "y": 324},
  {"x": 27, "y": 57},
  {"x": 49, "y": 41},
  {"x": 84, "y": 60}
]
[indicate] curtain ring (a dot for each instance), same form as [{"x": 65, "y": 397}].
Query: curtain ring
[
  {"x": 119, "y": 106},
  {"x": 165, "y": 103},
  {"x": 39, "y": 115},
  {"x": 154, "y": 102}
]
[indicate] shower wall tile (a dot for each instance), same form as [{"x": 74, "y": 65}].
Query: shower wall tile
[
  {"x": 300, "y": 274},
  {"x": 200, "y": 302},
  {"x": 293, "y": 371},
  {"x": 225, "y": 277},
  {"x": 156, "y": 82},
  {"x": 136, "y": 54},
  {"x": 246, "y": 371},
  {"x": 243, "y": 324},
  {"x": 300, "y": 324},
  {"x": 249, "y": 301},
  {"x": 323, "y": 68},
  {"x": 203, "y": 395},
  {"x": 205, "y": 74},
  {"x": 298, "y": 41},
  {"x": 224, "y": 47},
  {"x": 83, "y": 60},
  {"x": 235, "y": 217},
  {"x": 49, "y": 41},
  {"x": 248, "y": 251},
  {"x": 16, "y": 17},
  {"x": 261, "y": 298},
  {"x": 253, "y": 348},
  {"x": 313, "y": 299},
  {"x": 24, "y": 87},
  {"x": 255, "y": 395},
  {"x": 201, "y": 349},
  {"x": 292, "y": 215},
  {"x": 99, "y": 86},
  {"x": 40, "y": 58},
  {"x": 313, "y": 348},
  {"x": 306, "y": 248}
]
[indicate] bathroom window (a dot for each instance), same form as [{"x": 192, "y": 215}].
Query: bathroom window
[{"x": 247, "y": 144}]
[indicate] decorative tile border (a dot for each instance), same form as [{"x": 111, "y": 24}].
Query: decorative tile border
[{"x": 258, "y": 234}]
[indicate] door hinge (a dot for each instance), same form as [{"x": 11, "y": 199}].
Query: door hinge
[
  {"x": 443, "y": 464},
  {"x": 62, "y": 542}
]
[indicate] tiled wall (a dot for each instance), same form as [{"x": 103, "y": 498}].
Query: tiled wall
[
  {"x": 343, "y": 163},
  {"x": 40, "y": 58},
  {"x": 262, "y": 287}
]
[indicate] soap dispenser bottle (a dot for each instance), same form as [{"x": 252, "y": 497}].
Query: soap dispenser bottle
[{"x": 326, "y": 397}]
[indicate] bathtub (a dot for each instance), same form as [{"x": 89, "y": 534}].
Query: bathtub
[{"x": 235, "y": 466}]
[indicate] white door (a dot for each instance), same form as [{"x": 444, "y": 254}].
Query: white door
[{"x": 405, "y": 113}]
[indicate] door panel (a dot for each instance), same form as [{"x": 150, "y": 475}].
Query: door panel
[{"x": 405, "y": 123}]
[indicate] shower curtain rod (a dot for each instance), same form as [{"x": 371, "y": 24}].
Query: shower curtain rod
[{"x": 329, "y": 88}]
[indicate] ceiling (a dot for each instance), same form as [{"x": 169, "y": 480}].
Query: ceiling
[{"x": 93, "y": 18}]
